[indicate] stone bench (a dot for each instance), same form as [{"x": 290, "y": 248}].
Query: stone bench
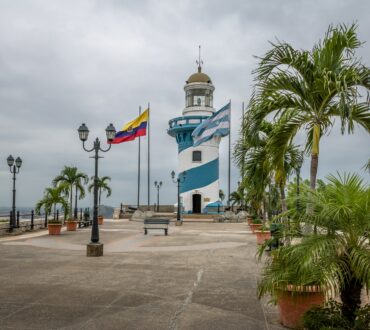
[{"x": 156, "y": 223}]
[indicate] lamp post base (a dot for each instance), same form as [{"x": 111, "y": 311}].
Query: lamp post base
[{"x": 94, "y": 249}]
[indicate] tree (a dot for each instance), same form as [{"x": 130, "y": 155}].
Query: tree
[
  {"x": 337, "y": 255},
  {"x": 309, "y": 89},
  {"x": 262, "y": 164},
  {"x": 236, "y": 197},
  {"x": 52, "y": 198},
  {"x": 69, "y": 177},
  {"x": 102, "y": 186},
  {"x": 221, "y": 194}
]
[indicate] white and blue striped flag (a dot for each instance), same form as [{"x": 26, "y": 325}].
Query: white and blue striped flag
[{"x": 216, "y": 125}]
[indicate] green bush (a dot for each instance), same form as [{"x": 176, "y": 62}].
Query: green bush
[{"x": 330, "y": 317}]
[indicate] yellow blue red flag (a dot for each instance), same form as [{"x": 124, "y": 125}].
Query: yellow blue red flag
[{"x": 133, "y": 129}]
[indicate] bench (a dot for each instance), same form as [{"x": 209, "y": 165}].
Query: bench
[
  {"x": 156, "y": 223},
  {"x": 84, "y": 223}
]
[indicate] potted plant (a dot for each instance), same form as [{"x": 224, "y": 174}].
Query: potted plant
[
  {"x": 249, "y": 219},
  {"x": 70, "y": 178},
  {"x": 71, "y": 224},
  {"x": 262, "y": 234},
  {"x": 256, "y": 224},
  {"x": 102, "y": 186},
  {"x": 331, "y": 260},
  {"x": 54, "y": 227},
  {"x": 53, "y": 197}
]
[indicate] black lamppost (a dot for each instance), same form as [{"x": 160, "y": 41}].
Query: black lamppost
[
  {"x": 14, "y": 169},
  {"x": 178, "y": 180},
  {"x": 158, "y": 185},
  {"x": 95, "y": 248}
]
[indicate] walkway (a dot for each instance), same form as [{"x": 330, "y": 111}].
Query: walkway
[{"x": 201, "y": 276}]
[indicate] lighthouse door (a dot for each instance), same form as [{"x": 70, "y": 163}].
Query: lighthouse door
[{"x": 197, "y": 203}]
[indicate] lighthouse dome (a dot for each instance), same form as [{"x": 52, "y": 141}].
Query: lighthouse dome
[{"x": 199, "y": 77}]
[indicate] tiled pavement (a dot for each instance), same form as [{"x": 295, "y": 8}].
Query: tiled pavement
[{"x": 201, "y": 276}]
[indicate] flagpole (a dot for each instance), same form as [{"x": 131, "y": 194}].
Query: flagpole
[
  {"x": 243, "y": 154},
  {"x": 148, "y": 156},
  {"x": 229, "y": 169},
  {"x": 138, "y": 169}
]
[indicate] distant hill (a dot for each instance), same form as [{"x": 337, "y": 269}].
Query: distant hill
[{"x": 106, "y": 211}]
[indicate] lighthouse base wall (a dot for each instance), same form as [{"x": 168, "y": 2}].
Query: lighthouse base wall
[{"x": 208, "y": 194}]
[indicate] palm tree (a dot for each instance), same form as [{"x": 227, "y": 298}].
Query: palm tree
[
  {"x": 102, "y": 186},
  {"x": 52, "y": 198},
  {"x": 68, "y": 178},
  {"x": 81, "y": 180},
  {"x": 262, "y": 163},
  {"x": 309, "y": 89},
  {"x": 337, "y": 256},
  {"x": 236, "y": 197},
  {"x": 221, "y": 195}
]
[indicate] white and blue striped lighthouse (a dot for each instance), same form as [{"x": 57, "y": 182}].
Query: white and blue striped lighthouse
[{"x": 201, "y": 163}]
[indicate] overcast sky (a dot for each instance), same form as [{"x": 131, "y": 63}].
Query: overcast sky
[{"x": 67, "y": 62}]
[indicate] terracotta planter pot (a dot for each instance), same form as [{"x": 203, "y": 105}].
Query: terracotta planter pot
[
  {"x": 100, "y": 220},
  {"x": 71, "y": 225},
  {"x": 292, "y": 305},
  {"x": 262, "y": 236},
  {"x": 54, "y": 228},
  {"x": 255, "y": 226}
]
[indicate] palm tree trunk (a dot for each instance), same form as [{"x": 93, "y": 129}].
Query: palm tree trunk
[
  {"x": 75, "y": 209},
  {"x": 351, "y": 298},
  {"x": 284, "y": 207},
  {"x": 314, "y": 156},
  {"x": 71, "y": 203}
]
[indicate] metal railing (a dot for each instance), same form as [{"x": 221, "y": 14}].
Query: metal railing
[{"x": 32, "y": 217}]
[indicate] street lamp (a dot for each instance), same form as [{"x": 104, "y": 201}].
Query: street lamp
[
  {"x": 158, "y": 185},
  {"x": 14, "y": 169},
  {"x": 180, "y": 179},
  {"x": 95, "y": 248}
]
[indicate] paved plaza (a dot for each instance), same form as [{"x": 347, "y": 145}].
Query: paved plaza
[{"x": 201, "y": 276}]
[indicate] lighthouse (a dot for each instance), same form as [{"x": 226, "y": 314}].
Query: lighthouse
[{"x": 200, "y": 186}]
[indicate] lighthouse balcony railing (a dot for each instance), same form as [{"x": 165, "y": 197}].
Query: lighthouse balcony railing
[{"x": 190, "y": 121}]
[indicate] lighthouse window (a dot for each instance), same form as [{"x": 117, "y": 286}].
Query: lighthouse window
[
  {"x": 197, "y": 156},
  {"x": 199, "y": 100}
]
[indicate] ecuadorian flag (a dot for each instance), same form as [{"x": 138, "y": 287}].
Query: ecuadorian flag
[{"x": 133, "y": 129}]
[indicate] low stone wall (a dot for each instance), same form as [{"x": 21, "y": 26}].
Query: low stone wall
[
  {"x": 143, "y": 208},
  {"x": 24, "y": 225}
]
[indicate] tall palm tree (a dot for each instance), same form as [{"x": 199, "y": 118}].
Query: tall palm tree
[
  {"x": 81, "y": 180},
  {"x": 221, "y": 195},
  {"x": 52, "y": 198},
  {"x": 68, "y": 178},
  {"x": 336, "y": 257},
  {"x": 263, "y": 163},
  {"x": 309, "y": 89},
  {"x": 236, "y": 197},
  {"x": 102, "y": 186}
]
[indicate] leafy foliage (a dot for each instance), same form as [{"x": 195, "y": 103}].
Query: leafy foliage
[
  {"x": 307, "y": 90},
  {"x": 337, "y": 255},
  {"x": 68, "y": 178},
  {"x": 330, "y": 316},
  {"x": 102, "y": 184},
  {"x": 52, "y": 198}
]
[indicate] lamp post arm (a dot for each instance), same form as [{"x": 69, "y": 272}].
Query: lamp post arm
[
  {"x": 105, "y": 150},
  {"x": 88, "y": 150}
]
